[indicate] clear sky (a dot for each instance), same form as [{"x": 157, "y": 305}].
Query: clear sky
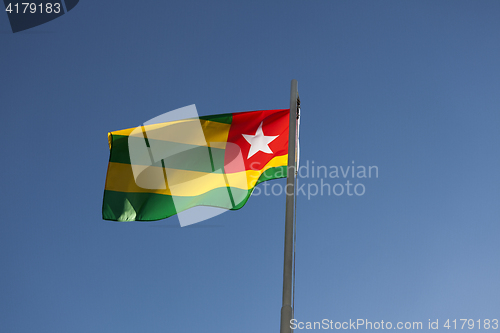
[{"x": 412, "y": 87}]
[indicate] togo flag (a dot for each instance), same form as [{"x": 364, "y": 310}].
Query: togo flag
[{"x": 159, "y": 170}]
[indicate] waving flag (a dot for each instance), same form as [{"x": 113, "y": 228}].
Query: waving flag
[{"x": 156, "y": 171}]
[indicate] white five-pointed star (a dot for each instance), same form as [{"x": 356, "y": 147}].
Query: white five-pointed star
[{"x": 259, "y": 142}]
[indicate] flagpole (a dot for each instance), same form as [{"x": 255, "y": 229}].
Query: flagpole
[{"x": 286, "y": 309}]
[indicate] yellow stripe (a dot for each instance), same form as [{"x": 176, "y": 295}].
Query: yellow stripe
[
  {"x": 180, "y": 182},
  {"x": 197, "y": 132}
]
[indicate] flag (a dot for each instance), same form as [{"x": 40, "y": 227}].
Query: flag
[{"x": 159, "y": 170}]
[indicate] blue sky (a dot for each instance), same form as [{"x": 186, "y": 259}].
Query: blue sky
[{"x": 410, "y": 87}]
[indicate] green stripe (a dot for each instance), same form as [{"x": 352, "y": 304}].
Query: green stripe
[
  {"x": 127, "y": 206},
  {"x": 225, "y": 118},
  {"x": 191, "y": 157},
  {"x": 273, "y": 173}
]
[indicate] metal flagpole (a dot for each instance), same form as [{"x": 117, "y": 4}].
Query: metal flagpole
[{"x": 286, "y": 309}]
